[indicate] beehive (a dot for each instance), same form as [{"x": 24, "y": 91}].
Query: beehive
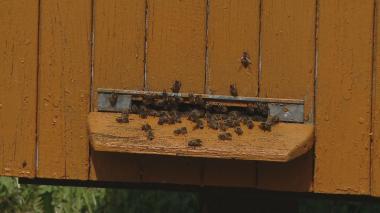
[{"x": 54, "y": 55}]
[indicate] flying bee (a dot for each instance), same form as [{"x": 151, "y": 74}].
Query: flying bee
[
  {"x": 245, "y": 60},
  {"x": 267, "y": 125},
  {"x": 176, "y": 86},
  {"x": 225, "y": 136},
  {"x": 180, "y": 131},
  {"x": 146, "y": 127},
  {"x": 195, "y": 143},
  {"x": 238, "y": 130},
  {"x": 233, "y": 90},
  {"x": 124, "y": 117}
]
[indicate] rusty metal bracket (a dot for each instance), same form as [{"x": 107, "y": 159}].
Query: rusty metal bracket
[{"x": 288, "y": 110}]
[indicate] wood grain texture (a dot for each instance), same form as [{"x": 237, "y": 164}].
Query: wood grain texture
[
  {"x": 119, "y": 45},
  {"x": 375, "y": 149},
  {"x": 284, "y": 143},
  {"x": 288, "y": 59},
  {"x": 119, "y": 54},
  {"x": 344, "y": 97},
  {"x": 18, "y": 88},
  {"x": 176, "y": 42},
  {"x": 233, "y": 28},
  {"x": 64, "y": 89}
]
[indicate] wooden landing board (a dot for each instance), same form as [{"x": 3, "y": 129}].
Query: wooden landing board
[{"x": 284, "y": 143}]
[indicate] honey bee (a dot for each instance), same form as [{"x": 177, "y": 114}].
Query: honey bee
[
  {"x": 250, "y": 124},
  {"x": 176, "y": 86},
  {"x": 195, "y": 143},
  {"x": 245, "y": 60},
  {"x": 220, "y": 108},
  {"x": 163, "y": 119},
  {"x": 213, "y": 124},
  {"x": 134, "y": 109},
  {"x": 146, "y": 127},
  {"x": 233, "y": 90},
  {"x": 150, "y": 135},
  {"x": 195, "y": 115},
  {"x": 238, "y": 130},
  {"x": 199, "y": 124},
  {"x": 113, "y": 99},
  {"x": 267, "y": 125},
  {"x": 180, "y": 131},
  {"x": 124, "y": 117},
  {"x": 143, "y": 112},
  {"x": 225, "y": 136},
  {"x": 191, "y": 99}
]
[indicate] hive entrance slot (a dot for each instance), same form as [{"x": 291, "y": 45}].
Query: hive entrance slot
[{"x": 287, "y": 140}]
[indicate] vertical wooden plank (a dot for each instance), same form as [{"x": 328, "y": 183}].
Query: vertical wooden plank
[
  {"x": 64, "y": 89},
  {"x": 375, "y": 149},
  {"x": 288, "y": 58},
  {"x": 118, "y": 63},
  {"x": 176, "y": 42},
  {"x": 18, "y": 88},
  {"x": 233, "y": 28},
  {"x": 344, "y": 96}
]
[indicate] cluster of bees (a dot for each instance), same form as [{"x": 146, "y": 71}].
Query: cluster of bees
[{"x": 171, "y": 109}]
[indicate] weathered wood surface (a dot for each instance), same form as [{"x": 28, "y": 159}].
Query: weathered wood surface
[
  {"x": 284, "y": 143},
  {"x": 287, "y": 71},
  {"x": 375, "y": 149},
  {"x": 343, "y": 101},
  {"x": 119, "y": 56},
  {"x": 64, "y": 89},
  {"x": 233, "y": 28},
  {"x": 176, "y": 41},
  {"x": 18, "y": 87}
]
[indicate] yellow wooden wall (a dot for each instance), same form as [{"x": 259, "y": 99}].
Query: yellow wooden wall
[{"x": 55, "y": 54}]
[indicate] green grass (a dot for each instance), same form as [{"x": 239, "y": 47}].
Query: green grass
[{"x": 33, "y": 198}]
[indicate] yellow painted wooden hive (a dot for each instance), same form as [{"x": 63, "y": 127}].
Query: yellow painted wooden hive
[{"x": 55, "y": 56}]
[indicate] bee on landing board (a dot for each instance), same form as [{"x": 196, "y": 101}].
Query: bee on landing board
[{"x": 195, "y": 143}]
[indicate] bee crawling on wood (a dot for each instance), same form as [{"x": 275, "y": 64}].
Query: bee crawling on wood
[
  {"x": 124, "y": 117},
  {"x": 267, "y": 125},
  {"x": 245, "y": 60},
  {"x": 146, "y": 127},
  {"x": 143, "y": 112},
  {"x": 163, "y": 119},
  {"x": 225, "y": 136},
  {"x": 150, "y": 135},
  {"x": 195, "y": 143},
  {"x": 213, "y": 124},
  {"x": 250, "y": 124},
  {"x": 199, "y": 124},
  {"x": 180, "y": 131},
  {"x": 195, "y": 115},
  {"x": 176, "y": 86},
  {"x": 233, "y": 90},
  {"x": 238, "y": 130}
]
